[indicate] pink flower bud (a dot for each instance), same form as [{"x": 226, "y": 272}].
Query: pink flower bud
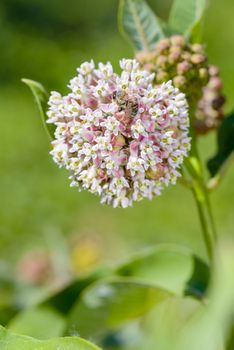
[
  {"x": 179, "y": 81},
  {"x": 183, "y": 67},
  {"x": 215, "y": 83},
  {"x": 177, "y": 40},
  {"x": 198, "y": 58},
  {"x": 163, "y": 45}
]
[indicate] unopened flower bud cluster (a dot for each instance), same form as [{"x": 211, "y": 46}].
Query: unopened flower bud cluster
[
  {"x": 119, "y": 137},
  {"x": 209, "y": 113},
  {"x": 187, "y": 66}
]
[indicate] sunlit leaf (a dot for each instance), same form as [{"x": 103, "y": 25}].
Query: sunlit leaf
[
  {"x": 12, "y": 341},
  {"x": 186, "y": 17},
  {"x": 41, "y": 98},
  {"x": 108, "y": 304},
  {"x": 38, "y": 322},
  {"x": 139, "y": 24},
  {"x": 170, "y": 267},
  {"x": 225, "y": 145}
]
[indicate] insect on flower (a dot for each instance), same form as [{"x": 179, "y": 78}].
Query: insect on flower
[{"x": 126, "y": 102}]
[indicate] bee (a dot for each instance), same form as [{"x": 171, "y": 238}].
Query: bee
[{"x": 126, "y": 102}]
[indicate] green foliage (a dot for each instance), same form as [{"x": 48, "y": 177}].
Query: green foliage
[
  {"x": 108, "y": 304},
  {"x": 7, "y": 305},
  {"x": 12, "y": 341},
  {"x": 64, "y": 299},
  {"x": 169, "y": 267},
  {"x": 186, "y": 17},
  {"x": 225, "y": 145},
  {"x": 164, "y": 324},
  {"x": 230, "y": 341},
  {"x": 173, "y": 268},
  {"x": 143, "y": 28},
  {"x": 37, "y": 322},
  {"x": 41, "y": 98},
  {"x": 55, "y": 38},
  {"x": 213, "y": 322},
  {"x": 139, "y": 24},
  {"x": 105, "y": 299},
  {"x": 183, "y": 323}
]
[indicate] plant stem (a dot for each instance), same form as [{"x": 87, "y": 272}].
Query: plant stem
[
  {"x": 204, "y": 216},
  {"x": 201, "y": 196}
]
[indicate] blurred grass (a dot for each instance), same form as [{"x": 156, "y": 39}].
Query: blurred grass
[{"x": 35, "y": 195}]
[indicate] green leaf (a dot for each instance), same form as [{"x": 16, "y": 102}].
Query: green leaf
[
  {"x": 8, "y": 305},
  {"x": 214, "y": 321},
  {"x": 139, "y": 24},
  {"x": 225, "y": 143},
  {"x": 162, "y": 326},
  {"x": 65, "y": 298},
  {"x": 186, "y": 17},
  {"x": 108, "y": 304},
  {"x": 38, "y": 322},
  {"x": 183, "y": 323},
  {"x": 12, "y": 341},
  {"x": 41, "y": 98},
  {"x": 230, "y": 340},
  {"x": 170, "y": 267},
  {"x": 131, "y": 290},
  {"x": 7, "y": 312}
]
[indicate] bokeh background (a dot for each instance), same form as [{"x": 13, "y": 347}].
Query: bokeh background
[{"x": 45, "y": 41}]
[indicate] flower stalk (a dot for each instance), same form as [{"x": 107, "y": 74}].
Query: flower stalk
[{"x": 201, "y": 195}]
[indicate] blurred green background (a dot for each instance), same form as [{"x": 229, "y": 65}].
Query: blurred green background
[{"x": 45, "y": 41}]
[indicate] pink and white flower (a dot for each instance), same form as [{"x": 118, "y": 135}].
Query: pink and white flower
[{"x": 119, "y": 136}]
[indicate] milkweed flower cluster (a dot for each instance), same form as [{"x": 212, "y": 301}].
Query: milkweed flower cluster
[
  {"x": 187, "y": 66},
  {"x": 118, "y": 136}
]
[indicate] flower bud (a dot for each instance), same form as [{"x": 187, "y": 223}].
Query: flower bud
[
  {"x": 178, "y": 40},
  {"x": 162, "y": 61},
  {"x": 142, "y": 56},
  {"x": 213, "y": 70},
  {"x": 218, "y": 102},
  {"x": 210, "y": 107},
  {"x": 185, "y": 55},
  {"x": 203, "y": 73},
  {"x": 162, "y": 76},
  {"x": 183, "y": 67},
  {"x": 198, "y": 58},
  {"x": 187, "y": 66},
  {"x": 197, "y": 48},
  {"x": 179, "y": 82},
  {"x": 215, "y": 83},
  {"x": 149, "y": 67},
  {"x": 173, "y": 58},
  {"x": 163, "y": 45}
]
